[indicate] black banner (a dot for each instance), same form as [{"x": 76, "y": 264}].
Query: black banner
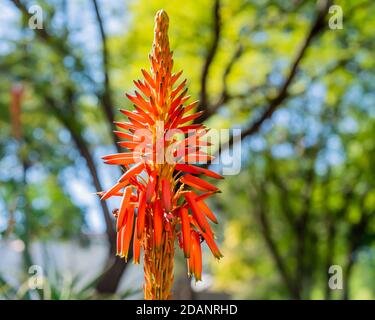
[{"x": 228, "y": 309}]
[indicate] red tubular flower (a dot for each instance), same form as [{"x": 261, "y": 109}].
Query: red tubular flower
[
  {"x": 185, "y": 226},
  {"x": 158, "y": 204},
  {"x": 15, "y": 110}
]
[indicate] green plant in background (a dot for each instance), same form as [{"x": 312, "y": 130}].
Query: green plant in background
[
  {"x": 308, "y": 200},
  {"x": 245, "y": 60},
  {"x": 59, "y": 286}
]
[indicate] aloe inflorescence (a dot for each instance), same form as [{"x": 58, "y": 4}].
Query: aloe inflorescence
[{"x": 162, "y": 197}]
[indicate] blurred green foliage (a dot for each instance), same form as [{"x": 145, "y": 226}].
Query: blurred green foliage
[{"x": 304, "y": 199}]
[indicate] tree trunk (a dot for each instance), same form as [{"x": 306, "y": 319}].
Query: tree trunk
[{"x": 115, "y": 267}]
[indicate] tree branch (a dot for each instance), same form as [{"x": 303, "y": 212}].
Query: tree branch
[
  {"x": 302, "y": 222},
  {"x": 42, "y": 33},
  {"x": 105, "y": 97},
  {"x": 356, "y": 238},
  {"x": 115, "y": 266},
  {"x": 224, "y": 96},
  {"x": 58, "y": 44},
  {"x": 315, "y": 29},
  {"x": 203, "y": 100},
  {"x": 266, "y": 232},
  {"x": 283, "y": 192}
]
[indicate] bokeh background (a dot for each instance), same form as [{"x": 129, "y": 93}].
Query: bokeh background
[{"x": 301, "y": 91}]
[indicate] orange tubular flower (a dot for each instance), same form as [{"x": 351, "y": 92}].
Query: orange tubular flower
[{"x": 161, "y": 199}]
